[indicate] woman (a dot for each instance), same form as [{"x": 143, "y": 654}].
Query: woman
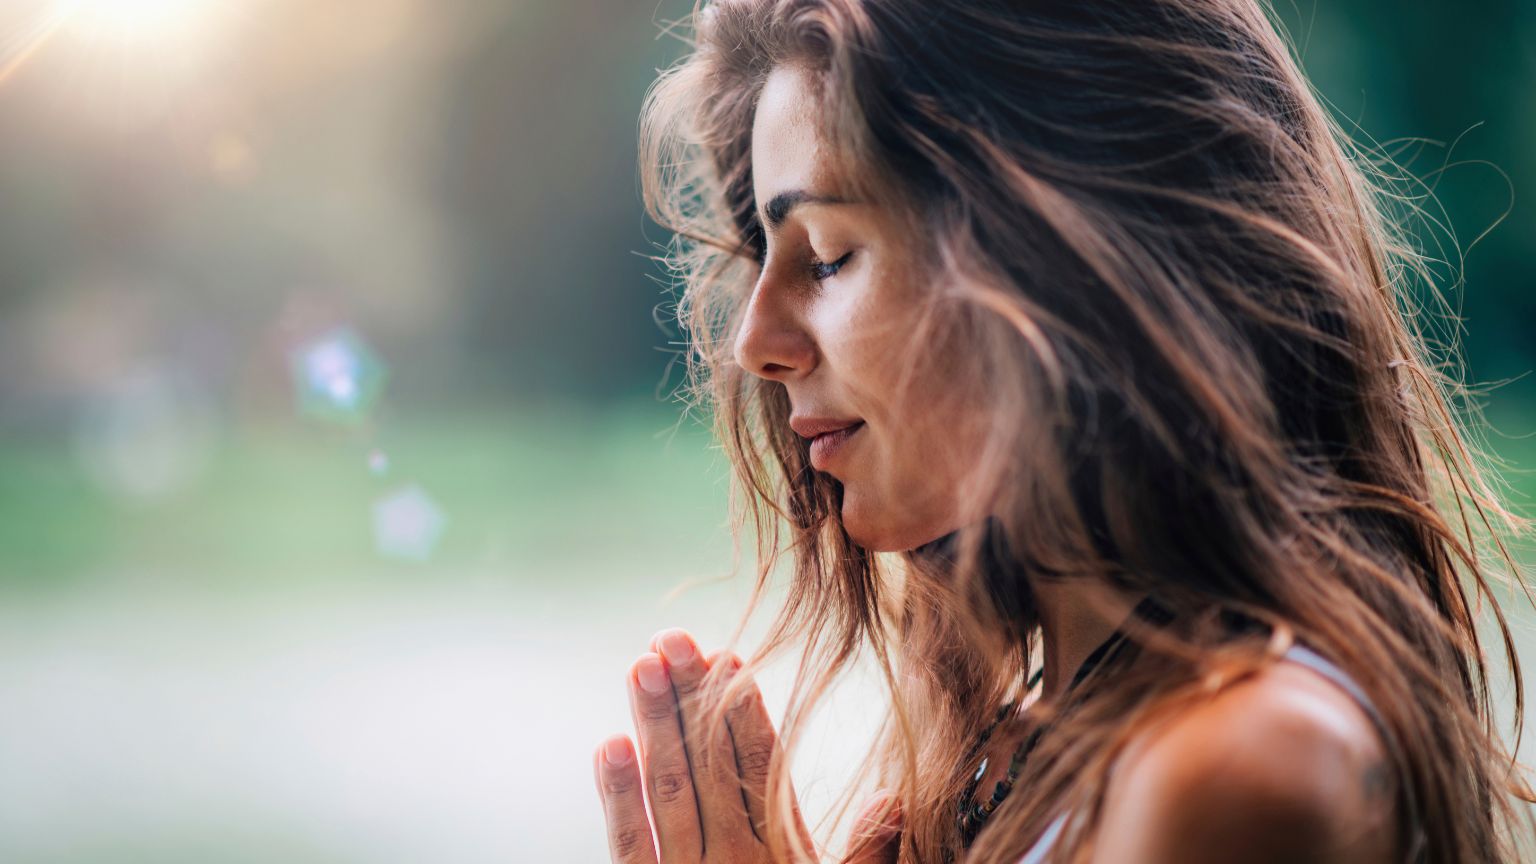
[{"x": 1072, "y": 345}]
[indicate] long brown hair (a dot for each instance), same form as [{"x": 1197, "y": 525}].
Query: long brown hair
[{"x": 1205, "y": 326}]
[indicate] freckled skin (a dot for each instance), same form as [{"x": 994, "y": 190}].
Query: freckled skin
[{"x": 837, "y": 345}]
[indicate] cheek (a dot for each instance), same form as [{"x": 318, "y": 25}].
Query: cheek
[
  {"x": 900, "y": 493},
  {"x": 865, "y": 334}
]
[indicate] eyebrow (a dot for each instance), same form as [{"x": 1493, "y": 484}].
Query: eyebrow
[{"x": 778, "y": 207}]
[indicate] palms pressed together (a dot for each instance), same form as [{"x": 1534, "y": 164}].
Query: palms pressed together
[{"x": 686, "y": 797}]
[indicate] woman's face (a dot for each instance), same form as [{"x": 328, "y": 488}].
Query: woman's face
[{"x": 833, "y": 318}]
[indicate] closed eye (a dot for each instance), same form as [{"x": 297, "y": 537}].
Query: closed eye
[{"x": 821, "y": 271}]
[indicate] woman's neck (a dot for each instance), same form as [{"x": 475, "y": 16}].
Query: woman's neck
[{"x": 1076, "y": 616}]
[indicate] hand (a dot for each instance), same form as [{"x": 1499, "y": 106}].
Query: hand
[{"x": 707, "y": 794}]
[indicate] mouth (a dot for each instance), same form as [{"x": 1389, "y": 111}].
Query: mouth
[{"x": 826, "y": 447}]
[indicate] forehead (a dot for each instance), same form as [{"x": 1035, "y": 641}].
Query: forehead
[{"x": 787, "y": 152}]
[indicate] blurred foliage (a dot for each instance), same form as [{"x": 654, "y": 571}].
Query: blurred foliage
[
  {"x": 457, "y": 179},
  {"x": 1447, "y": 89}
]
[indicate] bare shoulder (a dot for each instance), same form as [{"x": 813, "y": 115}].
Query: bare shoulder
[{"x": 1281, "y": 766}]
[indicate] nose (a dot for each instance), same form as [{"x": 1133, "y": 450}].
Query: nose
[{"x": 773, "y": 341}]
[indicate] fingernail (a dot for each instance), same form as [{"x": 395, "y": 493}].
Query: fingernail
[
  {"x": 677, "y": 647},
  {"x": 653, "y": 678},
  {"x": 617, "y": 753}
]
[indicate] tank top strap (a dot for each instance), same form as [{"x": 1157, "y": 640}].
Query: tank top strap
[{"x": 1300, "y": 653}]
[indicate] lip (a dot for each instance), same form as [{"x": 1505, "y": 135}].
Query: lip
[
  {"x": 828, "y": 445},
  {"x": 809, "y": 427}
]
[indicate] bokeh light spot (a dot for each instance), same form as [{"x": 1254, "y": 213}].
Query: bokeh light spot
[
  {"x": 231, "y": 159},
  {"x": 337, "y": 377},
  {"x": 407, "y": 524}
]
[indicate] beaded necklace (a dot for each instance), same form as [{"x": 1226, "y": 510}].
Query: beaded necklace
[{"x": 970, "y": 815}]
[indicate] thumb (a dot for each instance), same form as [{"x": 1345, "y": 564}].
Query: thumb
[{"x": 876, "y": 834}]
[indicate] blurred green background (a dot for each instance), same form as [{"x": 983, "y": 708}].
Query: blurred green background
[{"x": 230, "y": 630}]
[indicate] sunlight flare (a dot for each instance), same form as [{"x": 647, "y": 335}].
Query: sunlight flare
[{"x": 136, "y": 21}]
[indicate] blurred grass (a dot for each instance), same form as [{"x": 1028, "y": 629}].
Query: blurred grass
[{"x": 552, "y": 487}]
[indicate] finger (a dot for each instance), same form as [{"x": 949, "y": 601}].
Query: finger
[
  {"x": 669, "y": 785},
  {"x": 876, "y": 834},
  {"x": 711, "y": 751},
  {"x": 755, "y": 763},
  {"x": 618, "y": 784},
  {"x": 757, "y": 746}
]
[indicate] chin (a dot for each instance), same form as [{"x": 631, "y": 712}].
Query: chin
[{"x": 876, "y": 530}]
